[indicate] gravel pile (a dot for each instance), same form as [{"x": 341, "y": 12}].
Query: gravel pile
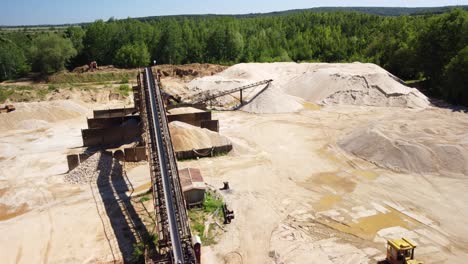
[{"x": 99, "y": 166}]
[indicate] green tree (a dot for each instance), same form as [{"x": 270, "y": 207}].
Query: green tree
[
  {"x": 76, "y": 35},
  {"x": 456, "y": 78},
  {"x": 99, "y": 42},
  {"x": 49, "y": 53},
  {"x": 171, "y": 49},
  {"x": 216, "y": 45},
  {"x": 440, "y": 41},
  {"x": 132, "y": 55},
  {"x": 12, "y": 60}
]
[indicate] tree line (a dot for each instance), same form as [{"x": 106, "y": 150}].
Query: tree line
[{"x": 433, "y": 47}]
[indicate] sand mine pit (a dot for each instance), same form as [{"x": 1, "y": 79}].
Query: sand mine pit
[{"x": 327, "y": 163}]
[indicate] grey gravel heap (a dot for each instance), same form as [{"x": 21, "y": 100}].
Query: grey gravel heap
[{"x": 99, "y": 165}]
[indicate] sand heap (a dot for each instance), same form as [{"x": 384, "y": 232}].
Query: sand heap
[
  {"x": 184, "y": 110},
  {"x": 187, "y": 137},
  {"x": 321, "y": 83},
  {"x": 412, "y": 144},
  {"x": 39, "y": 114},
  {"x": 271, "y": 101}
]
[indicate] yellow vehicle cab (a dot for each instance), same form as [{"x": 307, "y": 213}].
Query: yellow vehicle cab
[{"x": 401, "y": 251}]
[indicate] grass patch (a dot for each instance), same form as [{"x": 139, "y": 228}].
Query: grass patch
[
  {"x": 221, "y": 153},
  {"x": 212, "y": 202},
  {"x": 20, "y": 87},
  {"x": 42, "y": 93},
  {"x": 124, "y": 80},
  {"x": 5, "y": 93},
  {"x": 415, "y": 81},
  {"x": 144, "y": 199},
  {"x": 138, "y": 254},
  {"x": 101, "y": 77},
  {"x": 123, "y": 89},
  {"x": 211, "y": 210},
  {"x": 21, "y": 93},
  {"x": 52, "y": 87}
]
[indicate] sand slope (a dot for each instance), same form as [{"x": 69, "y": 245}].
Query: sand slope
[
  {"x": 413, "y": 144},
  {"x": 323, "y": 83},
  {"x": 40, "y": 114},
  {"x": 271, "y": 101}
]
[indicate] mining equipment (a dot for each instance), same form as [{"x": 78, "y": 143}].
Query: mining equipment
[
  {"x": 400, "y": 251},
  {"x": 92, "y": 66}
]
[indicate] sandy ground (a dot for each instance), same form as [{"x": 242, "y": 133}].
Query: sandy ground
[
  {"x": 42, "y": 218},
  {"x": 298, "y": 196}
]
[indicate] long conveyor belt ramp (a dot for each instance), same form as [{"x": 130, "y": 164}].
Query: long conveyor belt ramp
[
  {"x": 173, "y": 224},
  {"x": 203, "y": 97}
]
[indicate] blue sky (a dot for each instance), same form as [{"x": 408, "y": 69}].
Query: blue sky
[{"x": 33, "y": 12}]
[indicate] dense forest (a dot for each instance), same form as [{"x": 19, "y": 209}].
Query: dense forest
[{"x": 430, "y": 47}]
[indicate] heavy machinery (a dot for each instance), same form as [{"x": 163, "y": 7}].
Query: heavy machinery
[
  {"x": 92, "y": 66},
  {"x": 401, "y": 251}
]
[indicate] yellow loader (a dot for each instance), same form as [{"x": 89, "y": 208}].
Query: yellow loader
[{"x": 401, "y": 251}]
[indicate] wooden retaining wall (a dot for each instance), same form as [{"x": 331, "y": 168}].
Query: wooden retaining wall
[
  {"x": 107, "y": 122},
  {"x": 111, "y": 136},
  {"x": 200, "y": 153},
  {"x": 193, "y": 119},
  {"x": 118, "y": 112},
  {"x": 212, "y": 125}
]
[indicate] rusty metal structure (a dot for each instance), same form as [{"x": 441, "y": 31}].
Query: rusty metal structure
[
  {"x": 175, "y": 239},
  {"x": 204, "y": 96},
  {"x": 7, "y": 109}
]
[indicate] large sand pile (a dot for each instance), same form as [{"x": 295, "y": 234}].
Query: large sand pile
[
  {"x": 271, "y": 101},
  {"x": 184, "y": 110},
  {"x": 37, "y": 115},
  {"x": 187, "y": 137},
  {"x": 322, "y": 83},
  {"x": 413, "y": 144}
]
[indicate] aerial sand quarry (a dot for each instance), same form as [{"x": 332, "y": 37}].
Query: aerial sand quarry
[{"x": 328, "y": 162}]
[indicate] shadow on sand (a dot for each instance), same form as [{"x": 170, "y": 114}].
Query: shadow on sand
[
  {"x": 126, "y": 224},
  {"x": 442, "y": 104}
]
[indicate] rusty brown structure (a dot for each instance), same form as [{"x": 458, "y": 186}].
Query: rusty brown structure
[
  {"x": 194, "y": 119},
  {"x": 7, "y": 109}
]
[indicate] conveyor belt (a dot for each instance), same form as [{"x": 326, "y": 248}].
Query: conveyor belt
[{"x": 171, "y": 213}]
